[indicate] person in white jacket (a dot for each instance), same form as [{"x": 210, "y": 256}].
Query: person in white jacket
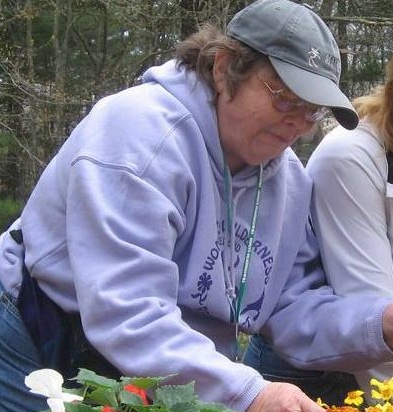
[
  {"x": 176, "y": 215},
  {"x": 352, "y": 205}
]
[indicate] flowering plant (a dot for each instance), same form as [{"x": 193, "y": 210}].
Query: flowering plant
[
  {"x": 100, "y": 394},
  {"x": 382, "y": 392}
]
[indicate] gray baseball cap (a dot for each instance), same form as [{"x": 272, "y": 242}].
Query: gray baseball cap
[{"x": 301, "y": 49}]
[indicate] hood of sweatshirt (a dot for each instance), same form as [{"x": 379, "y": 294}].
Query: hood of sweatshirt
[{"x": 197, "y": 97}]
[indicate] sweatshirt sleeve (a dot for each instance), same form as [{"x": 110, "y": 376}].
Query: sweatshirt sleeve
[
  {"x": 312, "y": 328},
  {"x": 121, "y": 233},
  {"x": 350, "y": 215}
]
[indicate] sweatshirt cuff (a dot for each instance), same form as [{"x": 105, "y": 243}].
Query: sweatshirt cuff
[
  {"x": 248, "y": 394},
  {"x": 374, "y": 330}
]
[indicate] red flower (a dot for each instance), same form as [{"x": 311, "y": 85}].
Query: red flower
[
  {"x": 108, "y": 409},
  {"x": 138, "y": 391}
]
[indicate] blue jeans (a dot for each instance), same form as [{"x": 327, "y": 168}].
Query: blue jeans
[
  {"x": 53, "y": 339},
  {"x": 18, "y": 357},
  {"x": 331, "y": 387}
]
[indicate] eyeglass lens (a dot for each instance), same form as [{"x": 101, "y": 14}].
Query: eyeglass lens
[{"x": 285, "y": 104}]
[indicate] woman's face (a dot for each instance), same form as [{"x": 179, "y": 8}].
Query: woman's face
[{"x": 251, "y": 130}]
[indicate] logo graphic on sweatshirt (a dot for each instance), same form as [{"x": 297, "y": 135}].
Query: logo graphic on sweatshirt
[
  {"x": 213, "y": 269},
  {"x": 203, "y": 286}
]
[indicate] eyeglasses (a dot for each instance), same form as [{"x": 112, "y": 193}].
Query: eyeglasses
[{"x": 284, "y": 103}]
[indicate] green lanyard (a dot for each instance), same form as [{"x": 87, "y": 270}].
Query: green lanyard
[{"x": 247, "y": 259}]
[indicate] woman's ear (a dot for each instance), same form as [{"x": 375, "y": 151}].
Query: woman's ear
[{"x": 219, "y": 70}]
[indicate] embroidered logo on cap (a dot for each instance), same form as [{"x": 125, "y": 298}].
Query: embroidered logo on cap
[{"x": 313, "y": 55}]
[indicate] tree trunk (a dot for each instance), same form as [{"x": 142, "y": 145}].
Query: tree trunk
[{"x": 343, "y": 45}]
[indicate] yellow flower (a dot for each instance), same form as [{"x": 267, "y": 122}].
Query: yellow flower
[
  {"x": 384, "y": 389},
  {"x": 374, "y": 408},
  {"x": 320, "y": 403},
  {"x": 354, "y": 398},
  {"x": 386, "y": 407}
]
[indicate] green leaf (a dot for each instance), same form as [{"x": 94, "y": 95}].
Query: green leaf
[
  {"x": 172, "y": 395},
  {"x": 102, "y": 396},
  {"x": 78, "y": 407},
  {"x": 213, "y": 407},
  {"x": 90, "y": 378},
  {"x": 146, "y": 408},
  {"x": 185, "y": 407},
  {"x": 130, "y": 398},
  {"x": 145, "y": 383}
]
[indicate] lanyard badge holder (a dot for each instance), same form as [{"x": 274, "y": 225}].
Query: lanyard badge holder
[{"x": 247, "y": 259}]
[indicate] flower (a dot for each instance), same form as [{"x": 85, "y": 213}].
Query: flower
[
  {"x": 354, "y": 398},
  {"x": 100, "y": 394},
  {"x": 48, "y": 382},
  {"x": 138, "y": 391},
  {"x": 383, "y": 391}
]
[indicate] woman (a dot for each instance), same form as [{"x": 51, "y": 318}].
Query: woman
[{"x": 352, "y": 205}]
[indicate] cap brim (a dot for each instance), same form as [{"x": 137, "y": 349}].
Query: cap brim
[{"x": 318, "y": 90}]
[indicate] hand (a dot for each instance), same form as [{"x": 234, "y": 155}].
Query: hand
[{"x": 283, "y": 397}]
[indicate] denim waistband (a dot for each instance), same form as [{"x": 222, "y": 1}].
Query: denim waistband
[{"x": 8, "y": 302}]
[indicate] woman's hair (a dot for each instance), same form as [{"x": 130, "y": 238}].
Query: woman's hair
[
  {"x": 198, "y": 52},
  {"x": 378, "y": 107}
]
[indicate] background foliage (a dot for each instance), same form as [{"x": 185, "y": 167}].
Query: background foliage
[{"x": 57, "y": 57}]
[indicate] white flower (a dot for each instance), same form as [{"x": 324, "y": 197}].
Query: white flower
[{"x": 49, "y": 383}]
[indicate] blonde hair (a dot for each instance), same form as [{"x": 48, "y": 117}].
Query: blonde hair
[
  {"x": 378, "y": 107},
  {"x": 198, "y": 52}
]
